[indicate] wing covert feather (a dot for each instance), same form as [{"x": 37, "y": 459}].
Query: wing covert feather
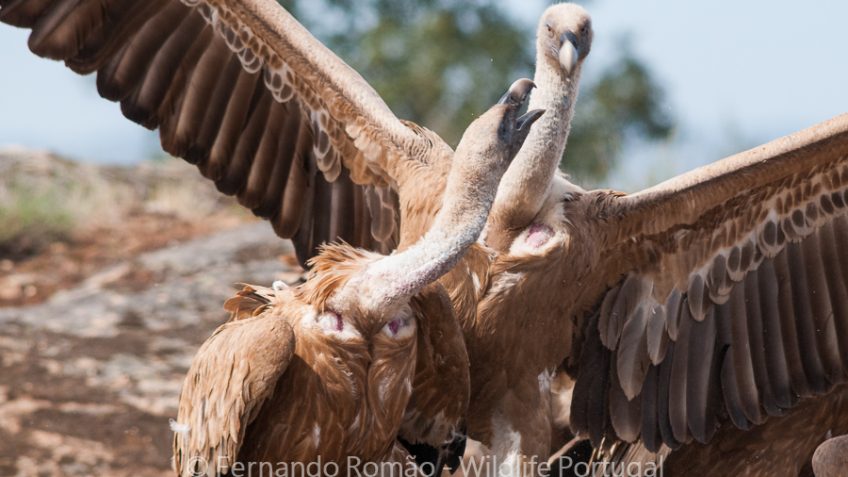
[
  {"x": 234, "y": 371},
  {"x": 750, "y": 273},
  {"x": 243, "y": 91},
  {"x": 441, "y": 390}
]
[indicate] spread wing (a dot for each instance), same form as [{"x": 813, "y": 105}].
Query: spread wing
[
  {"x": 433, "y": 424},
  {"x": 728, "y": 298},
  {"x": 233, "y": 374},
  {"x": 242, "y": 90}
]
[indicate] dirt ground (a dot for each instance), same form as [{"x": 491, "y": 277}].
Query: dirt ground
[{"x": 96, "y": 334}]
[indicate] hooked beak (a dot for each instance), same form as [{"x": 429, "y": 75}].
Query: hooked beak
[
  {"x": 569, "y": 53},
  {"x": 518, "y": 92},
  {"x": 527, "y": 119},
  {"x": 514, "y": 99}
]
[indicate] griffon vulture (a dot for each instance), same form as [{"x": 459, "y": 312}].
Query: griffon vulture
[
  {"x": 263, "y": 109},
  {"x": 657, "y": 245},
  {"x": 366, "y": 350},
  {"x": 710, "y": 305}
]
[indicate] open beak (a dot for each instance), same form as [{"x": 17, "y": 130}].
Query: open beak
[
  {"x": 568, "y": 52},
  {"x": 527, "y": 119},
  {"x": 514, "y": 99}
]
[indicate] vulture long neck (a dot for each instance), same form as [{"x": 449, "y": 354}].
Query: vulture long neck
[
  {"x": 477, "y": 166},
  {"x": 468, "y": 197},
  {"x": 527, "y": 182}
]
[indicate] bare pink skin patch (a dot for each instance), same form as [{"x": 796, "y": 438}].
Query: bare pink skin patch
[
  {"x": 331, "y": 321},
  {"x": 538, "y": 235},
  {"x": 394, "y": 325}
]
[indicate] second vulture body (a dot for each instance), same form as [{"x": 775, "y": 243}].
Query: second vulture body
[{"x": 708, "y": 314}]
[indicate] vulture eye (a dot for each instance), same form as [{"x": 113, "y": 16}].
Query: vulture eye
[
  {"x": 399, "y": 327},
  {"x": 550, "y": 29},
  {"x": 330, "y": 321}
]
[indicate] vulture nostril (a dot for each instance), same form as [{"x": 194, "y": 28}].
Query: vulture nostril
[{"x": 570, "y": 37}]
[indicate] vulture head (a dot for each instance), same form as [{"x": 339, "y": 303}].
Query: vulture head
[
  {"x": 564, "y": 37},
  {"x": 365, "y": 293}
]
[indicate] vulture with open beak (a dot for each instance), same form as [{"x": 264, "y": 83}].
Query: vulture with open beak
[
  {"x": 365, "y": 351},
  {"x": 270, "y": 115}
]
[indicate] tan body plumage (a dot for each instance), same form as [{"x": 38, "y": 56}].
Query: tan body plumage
[
  {"x": 365, "y": 351},
  {"x": 270, "y": 386}
]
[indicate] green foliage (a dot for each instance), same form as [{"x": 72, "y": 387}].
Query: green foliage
[
  {"x": 442, "y": 62},
  {"x": 30, "y": 220},
  {"x": 438, "y": 63}
]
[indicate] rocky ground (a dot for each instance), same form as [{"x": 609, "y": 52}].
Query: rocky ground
[{"x": 97, "y": 331}]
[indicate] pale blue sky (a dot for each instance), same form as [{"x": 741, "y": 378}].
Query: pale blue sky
[{"x": 736, "y": 74}]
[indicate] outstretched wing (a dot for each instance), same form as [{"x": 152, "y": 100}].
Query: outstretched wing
[
  {"x": 242, "y": 90},
  {"x": 728, "y": 296},
  {"x": 233, "y": 374}
]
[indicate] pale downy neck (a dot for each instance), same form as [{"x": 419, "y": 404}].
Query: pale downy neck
[
  {"x": 468, "y": 198},
  {"x": 527, "y": 183}
]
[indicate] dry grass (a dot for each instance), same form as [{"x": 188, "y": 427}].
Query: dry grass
[
  {"x": 30, "y": 220},
  {"x": 46, "y": 199}
]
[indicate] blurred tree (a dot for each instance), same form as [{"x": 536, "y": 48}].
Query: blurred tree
[
  {"x": 441, "y": 62},
  {"x": 623, "y": 103}
]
